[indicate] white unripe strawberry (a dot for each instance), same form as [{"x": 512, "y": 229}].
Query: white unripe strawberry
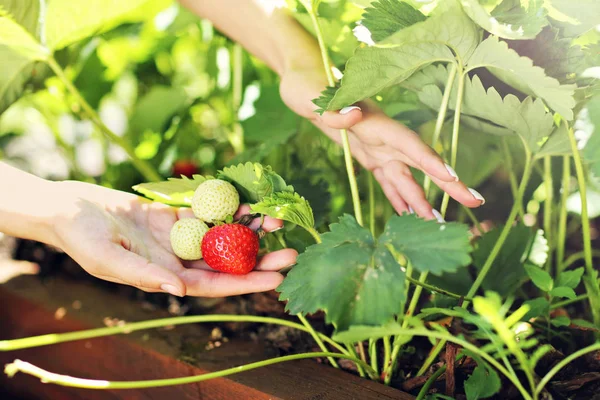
[
  {"x": 186, "y": 238},
  {"x": 214, "y": 200}
]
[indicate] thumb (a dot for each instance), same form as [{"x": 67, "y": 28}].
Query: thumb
[
  {"x": 342, "y": 119},
  {"x": 132, "y": 269}
]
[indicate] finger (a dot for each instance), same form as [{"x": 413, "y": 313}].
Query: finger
[
  {"x": 461, "y": 193},
  {"x": 419, "y": 155},
  {"x": 215, "y": 284},
  {"x": 269, "y": 224},
  {"x": 406, "y": 186},
  {"x": 135, "y": 270},
  {"x": 277, "y": 260},
  {"x": 390, "y": 192},
  {"x": 345, "y": 118},
  {"x": 185, "y": 212}
]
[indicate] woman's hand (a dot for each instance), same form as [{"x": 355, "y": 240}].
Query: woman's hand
[
  {"x": 123, "y": 238},
  {"x": 381, "y": 144}
]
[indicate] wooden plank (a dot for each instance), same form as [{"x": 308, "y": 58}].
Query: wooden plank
[{"x": 28, "y": 308}]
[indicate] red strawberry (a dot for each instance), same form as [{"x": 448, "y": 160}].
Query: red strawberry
[
  {"x": 185, "y": 168},
  {"x": 230, "y": 248}
]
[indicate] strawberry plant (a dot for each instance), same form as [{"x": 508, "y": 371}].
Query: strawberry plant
[{"x": 506, "y": 91}]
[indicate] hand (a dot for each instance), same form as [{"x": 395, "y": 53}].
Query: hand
[
  {"x": 380, "y": 144},
  {"x": 123, "y": 238}
]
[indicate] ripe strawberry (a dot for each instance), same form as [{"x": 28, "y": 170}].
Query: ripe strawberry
[
  {"x": 185, "y": 168},
  {"x": 214, "y": 200},
  {"x": 186, "y": 238},
  {"x": 230, "y": 248}
]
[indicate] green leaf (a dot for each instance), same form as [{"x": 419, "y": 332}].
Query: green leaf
[
  {"x": 570, "y": 279},
  {"x": 507, "y": 272},
  {"x": 359, "y": 333},
  {"x": 557, "y": 144},
  {"x": 589, "y": 123},
  {"x": 563, "y": 291},
  {"x": 578, "y": 16},
  {"x": 25, "y": 12},
  {"x": 538, "y": 354},
  {"x": 509, "y": 20},
  {"x": 286, "y": 206},
  {"x": 537, "y": 307},
  {"x": 539, "y": 277},
  {"x": 155, "y": 109},
  {"x": 519, "y": 72},
  {"x": 430, "y": 246},
  {"x": 484, "y": 382},
  {"x": 19, "y": 39},
  {"x": 560, "y": 321},
  {"x": 373, "y": 69},
  {"x": 449, "y": 25},
  {"x": 254, "y": 182},
  {"x": 369, "y": 283},
  {"x": 592, "y": 287},
  {"x": 15, "y": 72},
  {"x": 386, "y": 17},
  {"x": 175, "y": 191},
  {"x": 584, "y": 324},
  {"x": 69, "y": 21}
]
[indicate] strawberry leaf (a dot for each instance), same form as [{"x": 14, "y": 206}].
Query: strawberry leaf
[
  {"x": 352, "y": 278},
  {"x": 428, "y": 245},
  {"x": 253, "y": 181},
  {"x": 589, "y": 125},
  {"x": 175, "y": 191},
  {"x": 539, "y": 277},
  {"x": 509, "y": 20},
  {"x": 386, "y": 17},
  {"x": 18, "y": 38},
  {"x": 520, "y": 73},
  {"x": 484, "y": 382},
  {"x": 287, "y": 206}
]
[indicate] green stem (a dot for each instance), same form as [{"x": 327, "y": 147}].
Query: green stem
[
  {"x": 430, "y": 381},
  {"x": 491, "y": 258},
  {"x": 455, "y": 133},
  {"x": 563, "y": 363},
  {"x": 474, "y": 219},
  {"x": 313, "y": 232},
  {"x": 345, "y": 142},
  {"x": 511, "y": 173},
  {"x": 142, "y": 166},
  {"x": 567, "y": 302},
  {"x": 549, "y": 188},
  {"x": 54, "y": 338},
  {"x": 585, "y": 221},
  {"x": 237, "y": 135},
  {"x": 577, "y": 257},
  {"x": 64, "y": 380},
  {"x": 436, "y": 289},
  {"x": 316, "y": 337},
  {"x": 373, "y": 355},
  {"x": 352, "y": 353},
  {"x": 371, "y": 204},
  {"x": 562, "y": 219},
  {"x": 439, "y": 123}
]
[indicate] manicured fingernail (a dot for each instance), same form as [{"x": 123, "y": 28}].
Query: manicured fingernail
[
  {"x": 438, "y": 216},
  {"x": 452, "y": 172},
  {"x": 477, "y": 195},
  {"x": 346, "y": 110},
  {"x": 171, "y": 289},
  {"x": 411, "y": 210}
]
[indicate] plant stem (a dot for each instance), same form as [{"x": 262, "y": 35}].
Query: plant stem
[
  {"x": 373, "y": 355},
  {"x": 569, "y": 301},
  {"x": 578, "y": 256},
  {"x": 587, "y": 237},
  {"x": 313, "y": 232},
  {"x": 54, "y": 338},
  {"x": 562, "y": 219},
  {"x": 492, "y": 257},
  {"x": 439, "y": 123},
  {"x": 549, "y": 188},
  {"x": 432, "y": 288},
  {"x": 511, "y": 173},
  {"x": 563, "y": 363},
  {"x": 352, "y": 353},
  {"x": 473, "y": 219},
  {"x": 345, "y": 142},
  {"x": 316, "y": 337},
  {"x": 455, "y": 133},
  {"x": 237, "y": 135},
  {"x": 148, "y": 172},
  {"x": 430, "y": 381},
  {"x": 64, "y": 380},
  {"x": 371, "y": 204}
]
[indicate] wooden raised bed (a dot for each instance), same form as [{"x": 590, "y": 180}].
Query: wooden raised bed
[{"x": 29, "y": 307}]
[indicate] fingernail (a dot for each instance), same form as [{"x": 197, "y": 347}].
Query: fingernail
[
  {"x": 171, "y": 289},
  {"x": 477, "y": 195},
  {"x": 452, "y": 172},
  {"x": 346, "y": 110},
  {"x": 276, "y": 229},
  {"x": 411, "y": 210},
  {"x": 438, "y": 216}
]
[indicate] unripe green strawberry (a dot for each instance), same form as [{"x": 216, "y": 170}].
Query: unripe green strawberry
[
  {"x": 186, "y": 238},
  {"x": 214, "y": 200}
]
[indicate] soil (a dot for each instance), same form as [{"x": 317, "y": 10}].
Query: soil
[{"x": 579, "y": 381}]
